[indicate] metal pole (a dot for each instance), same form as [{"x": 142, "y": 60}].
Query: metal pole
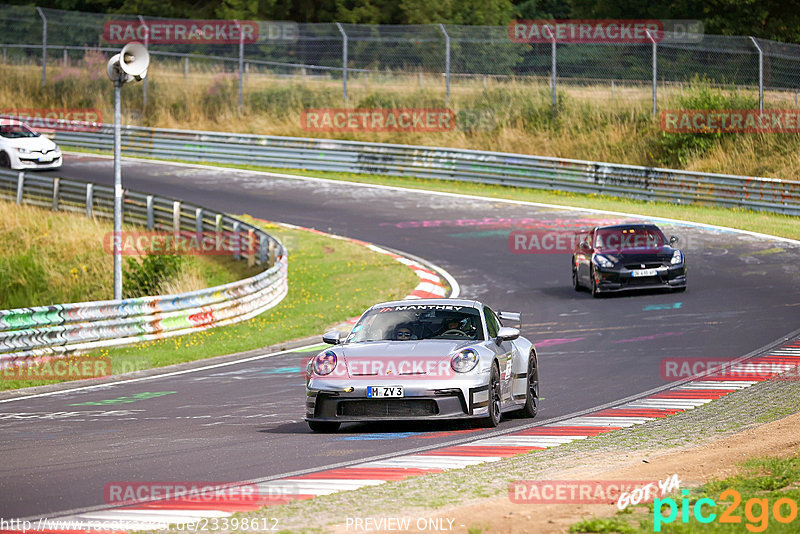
[
  {"x": 241, "y": 62},
  {"x": 44, "y": 45},
  {"x": 760, "y": 76},
  {"x": 65, "y": 60},
  {"x": 553, "y": 68},
  {"x": 186, "y": 67},
  {"x": 117, "y": 194},
  {"x": 146, "y": 43},
  {"x": 344, "y": 62},
  {"x": 446, "y": 65},
  {"x": 655, "y": 74}
]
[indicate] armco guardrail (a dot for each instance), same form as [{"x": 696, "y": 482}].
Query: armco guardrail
[
  {"x": 628, "y": 181},
  {"x": 69, "y": 328}
]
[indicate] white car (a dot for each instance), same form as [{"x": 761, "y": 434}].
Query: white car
[{"x": 22, "y": 148}]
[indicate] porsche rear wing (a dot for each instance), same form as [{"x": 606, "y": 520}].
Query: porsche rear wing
[{"x": 514, "y": 317}]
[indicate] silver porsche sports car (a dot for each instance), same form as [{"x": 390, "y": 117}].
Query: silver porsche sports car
[{"x": 423, "y": 359}]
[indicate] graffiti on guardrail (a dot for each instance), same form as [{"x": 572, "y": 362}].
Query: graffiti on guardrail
[{"x": 62, "y": 329}]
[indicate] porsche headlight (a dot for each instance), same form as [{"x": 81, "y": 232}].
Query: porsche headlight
[
  {"x": 677, "y": 257},
  {"x": 603, "y": 262},
  {"x": 325, "y": 363},
  {"x": 464, "y": 361}
]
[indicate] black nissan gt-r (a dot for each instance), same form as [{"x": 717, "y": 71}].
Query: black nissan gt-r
[{"x": 627, "y": 257}]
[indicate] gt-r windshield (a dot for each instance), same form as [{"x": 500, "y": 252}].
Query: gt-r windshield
[
  {"x": 418, "y": 321},
  {"x": 16, "y": 131},
  {"x": 622, "y": 239}
]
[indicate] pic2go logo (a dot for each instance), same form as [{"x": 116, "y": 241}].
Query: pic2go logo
[{"x": 756, "y": 511}]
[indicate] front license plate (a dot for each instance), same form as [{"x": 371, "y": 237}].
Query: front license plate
[
  {"x": 384, "y": 391},
  {"x": 644, "y": 272}
]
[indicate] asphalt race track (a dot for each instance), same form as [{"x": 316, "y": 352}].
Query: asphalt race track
[{"x": 244, "y": 421}]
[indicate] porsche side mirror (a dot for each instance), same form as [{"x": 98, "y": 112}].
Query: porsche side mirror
[
  {"x": 673, "y": 239},
  {"x": 585, "y": 246},
  {"x": 332, "y": 338},
  {"x": 506, "y": 333}
]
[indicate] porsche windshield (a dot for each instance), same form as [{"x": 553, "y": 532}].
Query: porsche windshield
[
  {"x": 621, "y": 239},
  {"x": 413, "y": 322}
]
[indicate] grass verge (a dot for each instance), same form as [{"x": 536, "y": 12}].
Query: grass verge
[{"x": 330, "y": 280}]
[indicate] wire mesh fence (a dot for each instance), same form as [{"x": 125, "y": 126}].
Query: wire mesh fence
[{"x": 437, "y": 56}]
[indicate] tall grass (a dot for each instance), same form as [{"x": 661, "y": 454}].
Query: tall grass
[
  {"x": 593, "y": 122},
  {"x": 56, "y": 257}
]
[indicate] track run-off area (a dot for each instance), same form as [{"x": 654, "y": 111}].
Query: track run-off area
[{"x": 243, "y": 421}]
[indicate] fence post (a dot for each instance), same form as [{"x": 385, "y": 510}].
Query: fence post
[
  {"x": 56, "y": 187},
  {"x": 198, "y": 221},
  {"x": 344, "y": 62},
  {"x": 237, "y": 242},
  {"x": 5, "y": 57},
  {"x": 146, "y": 45},
  {"x": 271, "y": 253},
  {"x": 185, "y": 67},
  {"x": 553, "y": 67},
  {"x": 263, "y": 251},
  {"x": 760, "y": 75},
  {"x": 89, "y": 200},
  {"x": 20, "y": 185},
  {"x": 241, "y": 61},
  {"x": 44, "y": 45},
  {"x": 446, "y": 65},
  {"x": 65, "y": 59},
  {"x": 176, "y": 217},
  {"x": 655, "y": 73},
  {"x": 150, "y": 214}
]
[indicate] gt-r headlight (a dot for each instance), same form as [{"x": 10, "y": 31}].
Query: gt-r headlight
[
  {"x": 464, "y": 361},
  {"x": 325, "y": 363},
  {"x": 677, "y": 257},
  {"x": 603, "y": 262}
]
